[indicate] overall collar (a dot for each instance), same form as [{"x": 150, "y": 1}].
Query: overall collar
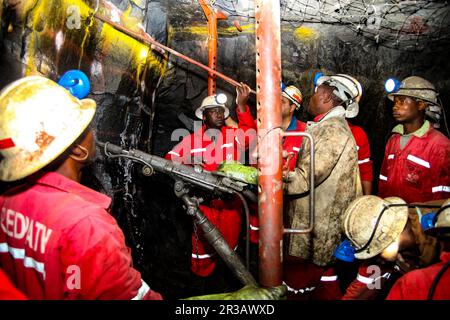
[{"x": 418, "y": 133}]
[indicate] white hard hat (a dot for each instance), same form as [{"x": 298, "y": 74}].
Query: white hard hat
[
  {"x": 372, "y": 228},
  {"x": 212, "y": 101},
  {"x": 293, "y": 94},
  {"x": 348, "y": 89},
  {"x": 39, "y": 120}
]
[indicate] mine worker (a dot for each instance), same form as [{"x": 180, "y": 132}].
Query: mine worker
[
  {"x": 365, "y": 164},
  {"x": 388, "y": 240},
  {"x": 417, "y": 156},
  {"x": 57, "y": 239},
  {"x": 208, "y": 147},
  {"x": 345, "y": 270},
  {"x": 336, "y": 173},
  {"x": 291, "y": 100},
  {"x": 433, "y": 282},
  {"x": 215, "y": 142}
]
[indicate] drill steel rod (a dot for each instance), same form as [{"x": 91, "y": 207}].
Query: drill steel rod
[{"x": 215, "y": 238}]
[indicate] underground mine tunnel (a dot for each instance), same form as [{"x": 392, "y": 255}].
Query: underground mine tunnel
[{"x": 144, "y": 93}]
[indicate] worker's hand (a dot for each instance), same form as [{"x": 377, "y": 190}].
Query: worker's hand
[
  {"x": 242, "y": 94},
  {"x": 248, "y": 293},
  {"x": 285, "y": 174},
  {"x": 285, "y": 169}
]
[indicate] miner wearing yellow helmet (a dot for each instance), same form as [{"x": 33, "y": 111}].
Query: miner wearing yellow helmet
[
  {"x": 433, "y": 282},
  {"x": 57, "y": 239},
  {"x": 388, "y": 239}
]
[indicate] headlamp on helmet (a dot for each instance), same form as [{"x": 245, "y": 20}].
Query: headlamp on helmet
[
  {"x": 221, "y": 98},
  {"x": 440, "y": 221},
  {"x": 392, "y": 85},
  {"x": 212, "y": 101},
  {"x": 316, "y": 78},
  {"x": 76, "y": 82},
  {"x": 428, "y": 220},
  {"x": 345, "y": 251}
]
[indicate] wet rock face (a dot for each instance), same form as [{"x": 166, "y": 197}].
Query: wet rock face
[{"x": 143, "y": 97}]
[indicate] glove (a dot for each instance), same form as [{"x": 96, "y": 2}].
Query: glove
[
  {"x": 248, "y": 293},
  {"x": 238, "y": 171}
]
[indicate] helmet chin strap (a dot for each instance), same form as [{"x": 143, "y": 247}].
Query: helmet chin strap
[{"x": 340, "y": 92}]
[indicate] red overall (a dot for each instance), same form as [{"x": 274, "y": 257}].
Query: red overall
[
  {"x": 292, "y": 145},
  {"x": 363, "y": 146},
  {"x": 415, "y": 285},
  {"x": 210, "y": 149},
  {"x": 57, "y": 241},
  {"x": 418, "y": 173}
]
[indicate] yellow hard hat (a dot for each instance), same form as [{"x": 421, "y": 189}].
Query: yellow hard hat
[
  {"x": 212, "y": 101},
  {"x": 372, "y": 228},
  {"x": 39, "y": 120}
]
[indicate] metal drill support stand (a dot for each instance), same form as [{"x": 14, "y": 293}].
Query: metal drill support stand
[{"x": 213, "y": 235}]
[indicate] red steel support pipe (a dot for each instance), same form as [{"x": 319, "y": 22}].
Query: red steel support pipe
[
  {"x": 268, "y": 94},
  {"x": 212, "y": 16}
]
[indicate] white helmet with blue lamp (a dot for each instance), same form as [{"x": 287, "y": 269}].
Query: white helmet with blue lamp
[{"x": 347, "y": 88}]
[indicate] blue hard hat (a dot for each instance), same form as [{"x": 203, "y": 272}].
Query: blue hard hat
[
  {"x": 345, "y": 251},
  {"x": 76, "y": 82}
]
